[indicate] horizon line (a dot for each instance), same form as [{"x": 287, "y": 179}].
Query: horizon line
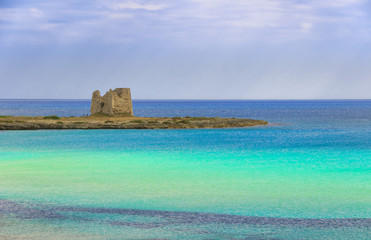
[{"x": 199, "y": 99}]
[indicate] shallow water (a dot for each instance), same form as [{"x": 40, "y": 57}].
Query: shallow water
[{"x": 307, "y": 175}]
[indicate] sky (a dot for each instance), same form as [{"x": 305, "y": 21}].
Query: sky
[{"x": 186, "y": 49}]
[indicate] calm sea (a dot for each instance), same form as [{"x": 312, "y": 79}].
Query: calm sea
[{"x": 307, "y": 175}]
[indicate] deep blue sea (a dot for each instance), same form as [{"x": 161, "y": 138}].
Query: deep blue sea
[
  {"x": 302, "y": 112},
  {"x": 307, "y": 175}
]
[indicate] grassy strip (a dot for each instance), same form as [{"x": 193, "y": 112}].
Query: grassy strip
[{"x": 51, "y": 117}]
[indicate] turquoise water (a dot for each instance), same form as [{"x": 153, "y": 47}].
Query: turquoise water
[{"x": 305, "y": 176}]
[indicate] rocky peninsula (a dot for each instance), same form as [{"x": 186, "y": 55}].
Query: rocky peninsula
[
  {"x": 107, "y": 122},
  {"x": 114, "y": 110}
]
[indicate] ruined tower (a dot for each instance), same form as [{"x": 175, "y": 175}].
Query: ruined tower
[{"x": 114, "y": 103}]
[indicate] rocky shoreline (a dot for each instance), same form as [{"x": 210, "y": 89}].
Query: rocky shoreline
[{"x": 106, "y": 122}]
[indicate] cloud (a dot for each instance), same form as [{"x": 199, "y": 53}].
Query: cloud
[
  {"x": 20, "y": 15},
  {"x": 183, "y": 20},
  {"x": 135, "y": 6}
]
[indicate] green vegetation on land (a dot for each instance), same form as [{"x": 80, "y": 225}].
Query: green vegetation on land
[{"x": 51, "y": 117}]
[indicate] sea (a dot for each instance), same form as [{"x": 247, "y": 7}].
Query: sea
[{"x": 306, "y": 175}]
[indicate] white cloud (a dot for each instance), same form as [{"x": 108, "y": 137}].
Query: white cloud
[
  {"x": 36, "y": 12},
  {"x": 118, "y": 15},
  {"x": 20, "y": 15},
  {"x": 137, "y": 6},
  {"x": 306, "y": 25},
  {"x": 188, "y": 20}
]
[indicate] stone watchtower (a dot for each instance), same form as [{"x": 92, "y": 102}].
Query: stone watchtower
[{"x": 116, "y": 102}]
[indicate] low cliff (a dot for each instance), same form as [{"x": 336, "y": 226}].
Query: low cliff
[{"x": 95, "y": 122}]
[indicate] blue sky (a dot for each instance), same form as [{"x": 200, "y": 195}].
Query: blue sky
[{"x": 203, "y": 49}]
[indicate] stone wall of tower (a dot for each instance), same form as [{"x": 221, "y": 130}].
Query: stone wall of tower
[{"x": 114, "y": 103}]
